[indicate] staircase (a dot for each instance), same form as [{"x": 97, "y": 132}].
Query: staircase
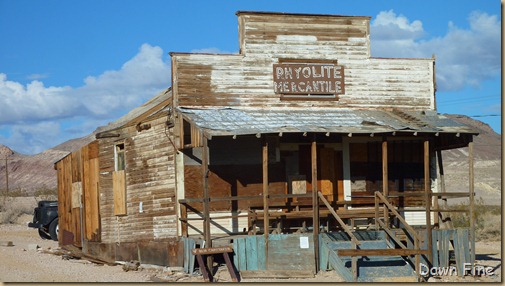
[{"x": 369, "y": 268}]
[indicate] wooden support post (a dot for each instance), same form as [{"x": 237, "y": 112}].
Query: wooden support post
[
  {"x": 376, "y": 201},
  {"x": 266, "y": 216},
  {"x": 417, "y": 260},
  {"x": 315, "y": 201},
  {"x": 427, "y": 199},
  {"x": 472, "y": 201},
  {"x": 184, "y": 222},
  {"x": 445, "y": 218},
  {"x": 354, "y": 264},
  {"x": 206, "y": 213},
  {"x": 385, "y": 188}
]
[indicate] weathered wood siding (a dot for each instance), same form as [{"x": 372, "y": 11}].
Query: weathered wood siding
[
  {"x": 78, "y": 188},
  {"x": 150, "y": 181},
  {"x": 246, "y": 79}
]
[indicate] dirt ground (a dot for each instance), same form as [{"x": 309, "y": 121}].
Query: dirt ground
[{"x": 22, "y": 262}]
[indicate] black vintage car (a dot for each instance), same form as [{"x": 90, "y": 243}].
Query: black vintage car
[{"x": 45, "y": 219}]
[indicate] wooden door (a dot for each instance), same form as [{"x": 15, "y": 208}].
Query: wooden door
[{"x": 331, "y": 174}]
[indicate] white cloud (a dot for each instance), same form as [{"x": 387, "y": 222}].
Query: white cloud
[
  {"x": 34, "y": 114},
  {"x": 33, "y": 138},
  {"x": 37, "y": 76},
  {"x": 463, "y": 57}
]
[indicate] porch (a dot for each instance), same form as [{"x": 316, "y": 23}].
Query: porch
[{"x": 361, "y": 177}]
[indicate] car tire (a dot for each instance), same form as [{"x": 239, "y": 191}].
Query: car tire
[
  {"x": 43, "y": 234},
  {"x": 54, "y": 229}
]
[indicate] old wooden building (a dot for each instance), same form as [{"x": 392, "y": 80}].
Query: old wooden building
[{"x": 302, "y": 152}]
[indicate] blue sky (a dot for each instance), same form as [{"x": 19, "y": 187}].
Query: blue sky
[{"x": 67, "y": 67}]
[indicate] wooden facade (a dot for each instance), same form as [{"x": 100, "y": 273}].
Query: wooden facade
[{"x": 302, "y": 132}]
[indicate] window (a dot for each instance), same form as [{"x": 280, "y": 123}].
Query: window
[
  {"x": 119, "y": 180},
  {"x": 119, "y": 157}
]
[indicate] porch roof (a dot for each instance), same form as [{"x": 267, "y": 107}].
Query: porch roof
[{"x": 228, "y": 121}]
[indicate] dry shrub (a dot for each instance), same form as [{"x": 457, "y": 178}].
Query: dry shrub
[
  {"x": 487, "y": 220},
  {"x": 10, "y": 211}
]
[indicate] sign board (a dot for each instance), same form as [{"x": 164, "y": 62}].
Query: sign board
[
  {"x": 307, "y": 78},
  {"x": 211, "y": 250}
]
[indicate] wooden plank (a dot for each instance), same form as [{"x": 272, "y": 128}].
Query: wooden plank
[
  {"x": 391, "y": 234},
  {"x": 186, "y": 254},
  {"x": 399, "y": 217},
  {"x": 339, "y": 220},
  {"x": 385, "y": 189},
  {"x": 324, "y": 252},
  {"x": 119, "y": 192},
  {"x": 427, "y": 190},
  {"x": 338, "y": 265},
  {"x": 380, "y": 252},
  {"x": 279, "y": 274},
  {"x": 262, "y": 253},
  {"x": 76, "y": 194},
  {"x": 251, "y": 252},
  {"x": 315, "y": 202},
  {"x": 471, "y": 187},
  {"x": 206, "y": 215},
  {"x": 94, "y": 198},
  {"x": 230, "y": 267},
  {"x": 266, "y": 219},
  {"x": 203, "y": 269},
  {"x": 434, "y": 234},
  {"x": 212, "y": 250},
  {"x": 328, "y": 176},
  {"x": 242, "y": 254},
  {"x": 458, "y": 254},
  {"x": 444, "y": 248}
]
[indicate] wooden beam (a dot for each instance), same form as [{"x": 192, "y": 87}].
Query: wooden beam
[
  {"x": 266, "y": 218},
  {"x": 276, "y": 274},
  {"x": 380, "y": 252},
  {"x": 315, "y": 201},
  {"x": 427, "y": 191},
  {"x": 339, "y": 220},
  {"x": 398, "y": 216},
  {"x": 472, "y": 200},
  {"x": 442, "y": 188},
  {"x": 385, "y": 188},
  {"x": 206, "y": 215}
]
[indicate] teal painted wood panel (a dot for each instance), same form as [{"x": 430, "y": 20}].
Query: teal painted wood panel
[
  {"x": 285, "y": 252},
  {"x": 434, "y": 249},
  {"x": 251, "y": 252},
  {"x": 261, "y": 253},
  {"x": 242, "y": 258},
  {"x": 235, "y": 254},
  {"x": 339, "y": 266}
]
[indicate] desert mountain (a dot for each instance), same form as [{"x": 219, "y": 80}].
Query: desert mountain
[{"x": 27, "y": 174}]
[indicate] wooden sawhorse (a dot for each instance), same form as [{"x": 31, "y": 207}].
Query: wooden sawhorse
[{"x": 207, "y": 274}]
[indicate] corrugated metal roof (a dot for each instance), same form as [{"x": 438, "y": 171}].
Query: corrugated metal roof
[{"x": 228, "y": 121}]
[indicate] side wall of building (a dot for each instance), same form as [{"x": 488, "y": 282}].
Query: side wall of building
[{"x": 149, "y": 194}]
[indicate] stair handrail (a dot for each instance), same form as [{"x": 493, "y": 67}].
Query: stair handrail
[
  {"x": 413, "y": 232},
  {"x": 339, "y": 220},
  {"x": 397, "y": 215}
]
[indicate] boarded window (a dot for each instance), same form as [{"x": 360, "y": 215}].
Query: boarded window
[
  {"x": 119, "y": 157},
  {"x": 119, "y": 190}
]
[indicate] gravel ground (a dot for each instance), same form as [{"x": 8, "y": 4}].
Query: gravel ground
[{"x": 22, "y": 263}]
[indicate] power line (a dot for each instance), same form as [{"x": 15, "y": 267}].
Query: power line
[{"x": 480, "y": 115}]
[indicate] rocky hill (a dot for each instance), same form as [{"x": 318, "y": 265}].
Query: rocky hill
[
  {"x": 27, "y": 174},
  {"x": 487, "y": 164}
]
